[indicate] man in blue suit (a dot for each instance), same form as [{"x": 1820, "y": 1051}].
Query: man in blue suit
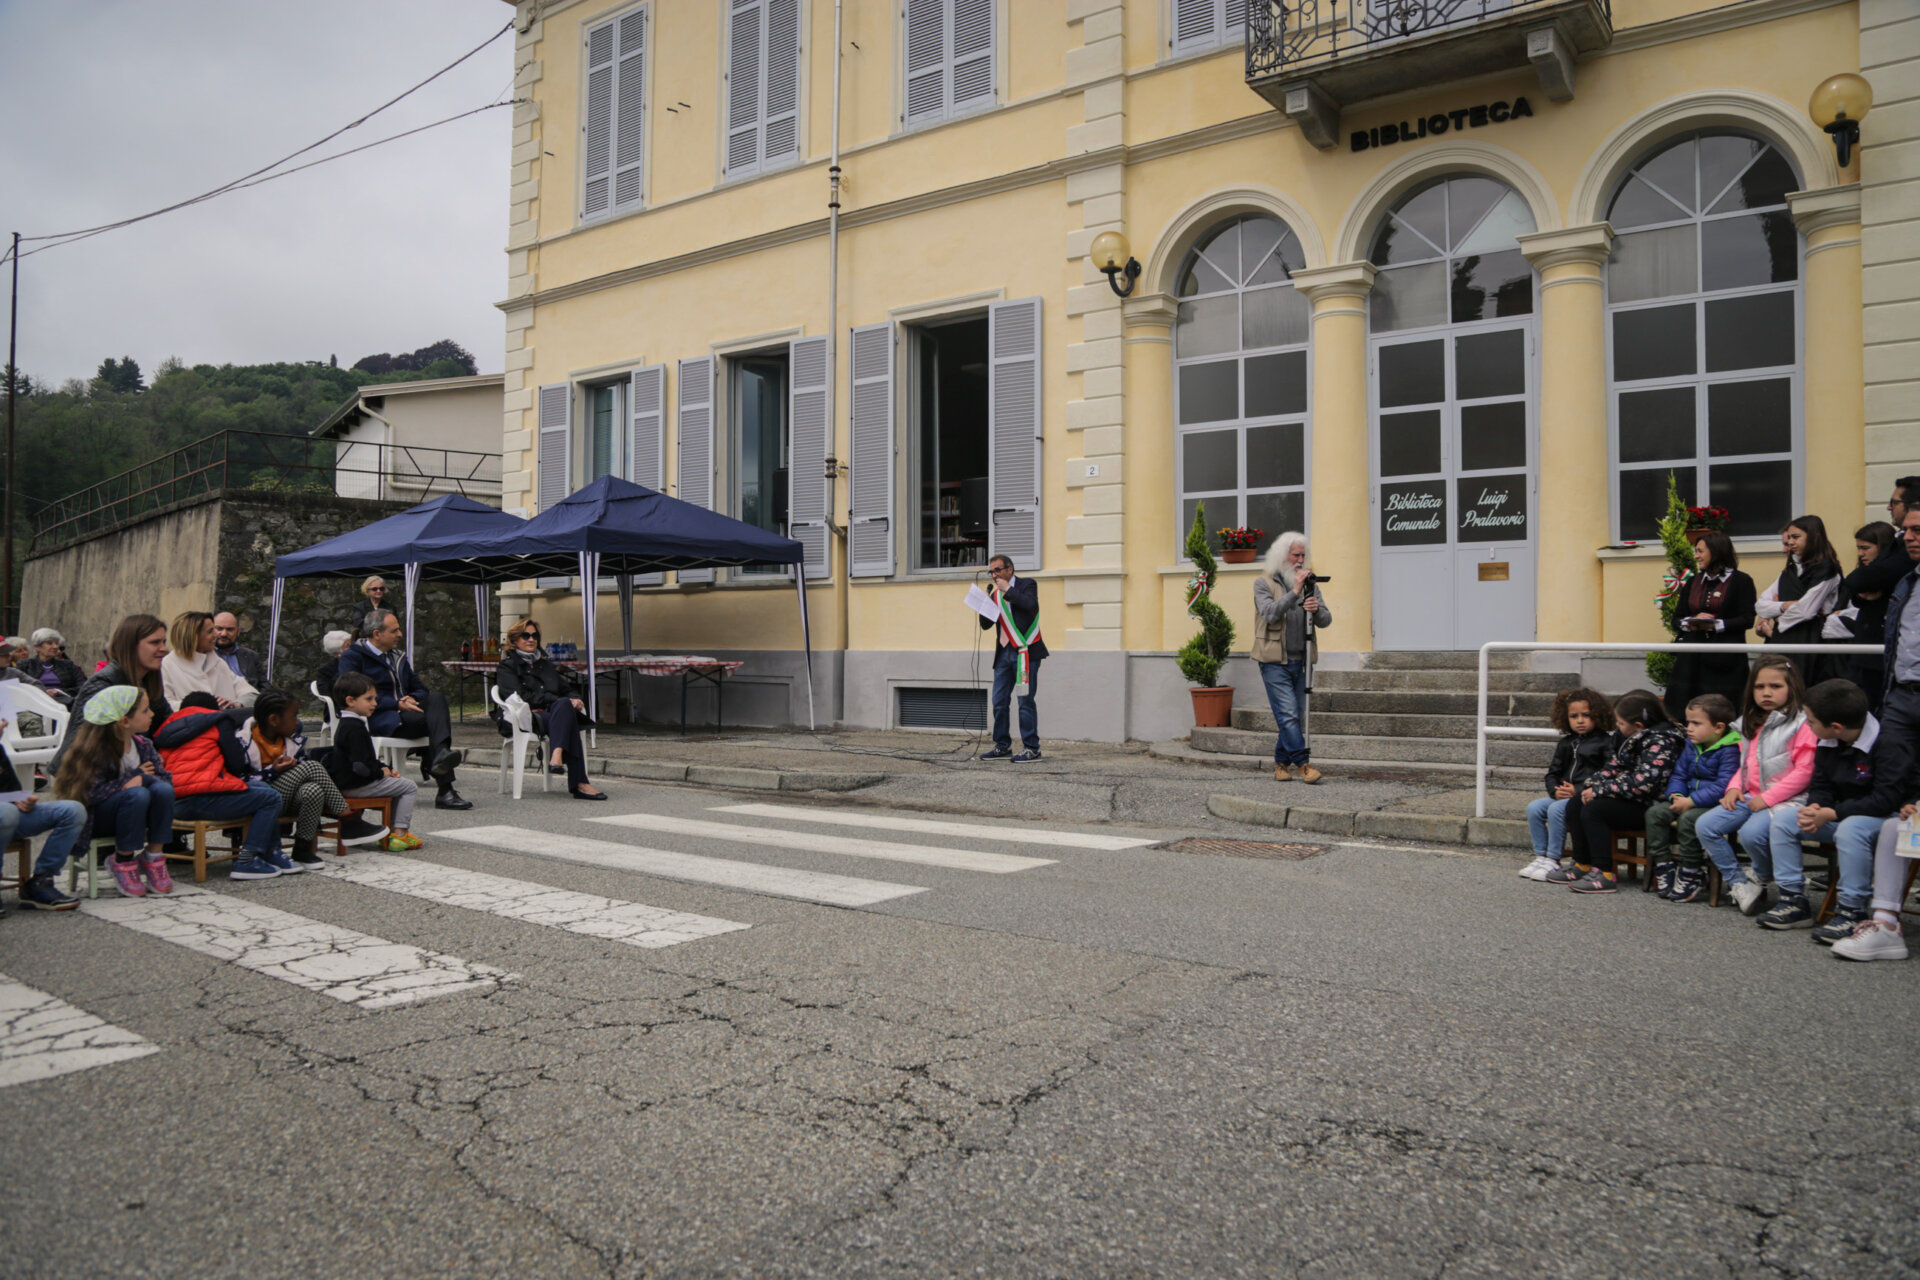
[
  {"x": 406, "y": 708},
  {"x": 1017, "y": 651}
]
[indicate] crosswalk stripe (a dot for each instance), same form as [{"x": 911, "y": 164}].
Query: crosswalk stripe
[
  {"x": 615, "y": 920},
  {"x": 42, "y": 1036},
  {"x": 779, "y": 882},
  {"x": 354, "y": 968},
  {"x": 934, "y": 827},
  {"x": 923, "y": 855}
]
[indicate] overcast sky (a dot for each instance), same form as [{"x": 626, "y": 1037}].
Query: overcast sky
[{"x": 115, "y": 107}]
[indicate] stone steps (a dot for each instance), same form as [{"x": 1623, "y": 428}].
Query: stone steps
[
  {"x": 1532, "y": 706},
  {"x": 1443, "y": 660},
  {"x": 1445, "y": 681},
  {"x": 1368, "y": 749}
]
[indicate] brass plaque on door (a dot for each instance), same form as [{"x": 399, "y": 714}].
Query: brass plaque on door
[{"x": 1493, "y": 571}]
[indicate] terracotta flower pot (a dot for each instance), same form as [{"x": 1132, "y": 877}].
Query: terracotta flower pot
[
  {"x": 1239, "y": 555},
  {"x": 1212, "y": 708}
]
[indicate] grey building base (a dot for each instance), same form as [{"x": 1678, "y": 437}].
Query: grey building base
[{"x": 768, "y": 692}]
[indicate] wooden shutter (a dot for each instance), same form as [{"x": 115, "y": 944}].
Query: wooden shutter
[
  {"x": 553, "y": 463},
  {"x": 596, "y": 130},
  {"x": 646, "y": 439},
  {"x": 696, "y": 443},
  {"x": 926, "y": 78},
  {"x": 1013, "y": 428},
  {"x": 630, "y": 111},
  {"x": 870, "y": 515},
  {"x": 807, "y": 429},
  {"x": 744, "y": 50},
  {"x": 970, "y": 60},
  {"x": 780, "y": 103}
]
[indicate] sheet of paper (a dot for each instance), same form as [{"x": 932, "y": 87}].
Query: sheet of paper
[{"x": 983, "y": 604}]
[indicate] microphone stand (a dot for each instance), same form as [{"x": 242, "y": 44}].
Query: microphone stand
[{"x": 1312, "y": 651}]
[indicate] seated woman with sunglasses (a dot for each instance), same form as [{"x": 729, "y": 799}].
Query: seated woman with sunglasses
[
  {"x": 551, "y": 691},
  {"x": 373, "y": 595}
]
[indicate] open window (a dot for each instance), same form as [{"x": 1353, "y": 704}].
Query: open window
[
  {"x": 759, "y": 443},
  {"x": 947, "y": 414}
]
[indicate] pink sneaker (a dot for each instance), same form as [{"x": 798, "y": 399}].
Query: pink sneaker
[
  {"x": 126, "y": 876},
  {"x": 153, "y": 868}
]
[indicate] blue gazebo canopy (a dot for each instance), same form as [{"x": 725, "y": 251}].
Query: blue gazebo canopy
[{"x": 386, "y": 547}]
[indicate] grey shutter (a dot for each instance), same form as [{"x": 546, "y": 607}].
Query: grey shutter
[
  {"x": 1013, "y": 429},
  {"x": 646, "y": 439},
  {"x": 630, "y": 111},
  {"x": 807, "y": 429},
  {"x": 596, "y": 131},
  {"x": 780, "y": 127},
  {"x": 926, "y": 78},
  {"x": 870, "y": 490},
  {"x": 696, "y": 443},
  {"x": 1206, "y": 24},
  {"x": 553, "y": 463},
  {"x": 743, "y": 86},
  {"x": 970, "y": 62}
]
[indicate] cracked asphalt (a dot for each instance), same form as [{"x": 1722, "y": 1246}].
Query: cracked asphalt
[{"x": 1386, "y": 1060}]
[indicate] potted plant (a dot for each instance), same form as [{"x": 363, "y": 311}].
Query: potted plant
[
  {"x": 1680, "y": 528},
  {"x": 1202, "y": 657},
  {"x": 1238, "y": 546},
  {"x": 1703, "y": 520}
]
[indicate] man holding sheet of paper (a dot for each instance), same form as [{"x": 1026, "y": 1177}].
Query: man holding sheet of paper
[{"x": 1012, "y": 611}]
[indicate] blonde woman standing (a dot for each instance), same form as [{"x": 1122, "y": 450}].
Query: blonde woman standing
[{"x": 1282, "y": 601}]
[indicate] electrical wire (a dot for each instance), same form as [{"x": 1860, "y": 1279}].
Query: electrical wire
[{"x": 265, "y": 172}]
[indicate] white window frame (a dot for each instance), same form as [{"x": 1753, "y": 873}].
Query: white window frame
[
  {"x": 1241, "y": 423},
  {"x": 1701, "y": 380},
  {"x": 907, "y": 423},
  {"x": 614, "y": 208},
  {"x": 997, "y": 53},
  {"x": 583, "y": 390},
  {"x": 729, "y": 453}
]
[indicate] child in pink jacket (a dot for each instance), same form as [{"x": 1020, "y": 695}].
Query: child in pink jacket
[{"x": 1776, "y": 764}]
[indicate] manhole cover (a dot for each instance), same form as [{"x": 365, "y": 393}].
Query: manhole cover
[{"x": 1248, "y": 849}]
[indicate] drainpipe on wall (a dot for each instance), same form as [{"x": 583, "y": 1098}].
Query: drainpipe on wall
[{"x": 839, "y": 532}]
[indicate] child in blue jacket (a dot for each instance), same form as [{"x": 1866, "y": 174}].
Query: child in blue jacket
[{"x": 1707, "y": 765}]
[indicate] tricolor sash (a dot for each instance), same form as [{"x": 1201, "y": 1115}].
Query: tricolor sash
[{"x": 1020, "y": 643}]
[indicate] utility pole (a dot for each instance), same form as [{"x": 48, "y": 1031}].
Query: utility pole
[{"x": 13, "y": 402}]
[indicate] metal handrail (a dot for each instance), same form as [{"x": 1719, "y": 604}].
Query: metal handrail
[
  {"x": 1481, "y": 729},
  {"x": 1285, "y": 32}
]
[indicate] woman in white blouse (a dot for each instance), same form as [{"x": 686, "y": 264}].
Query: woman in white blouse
[{"x": 191, "y": 667}]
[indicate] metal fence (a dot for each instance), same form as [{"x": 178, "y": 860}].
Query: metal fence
[
  {"x": 268, "y": 463},
  {"x": 1284, "y": 32},
  {"x": 1482, "y": 730}
]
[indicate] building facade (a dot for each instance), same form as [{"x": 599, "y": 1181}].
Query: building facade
[
  {"x": 1454, "y": 299},
  {"x": 411, "y": 441}
]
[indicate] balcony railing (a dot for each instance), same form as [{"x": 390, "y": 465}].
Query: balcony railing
[
  {"x": 252, "y": 460},
  {"x": 1282, "y": 34}
]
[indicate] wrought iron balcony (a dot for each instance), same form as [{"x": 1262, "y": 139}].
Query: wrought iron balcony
[{"x": 1312, "y": 57}]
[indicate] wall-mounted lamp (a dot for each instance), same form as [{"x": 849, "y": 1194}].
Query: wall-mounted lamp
[
  {"x": 1838, "y": 106},
  {"x": 1111, "y": 255}
]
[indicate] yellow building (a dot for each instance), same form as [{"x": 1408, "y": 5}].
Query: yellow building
[{"x": 1451, "y": 292}]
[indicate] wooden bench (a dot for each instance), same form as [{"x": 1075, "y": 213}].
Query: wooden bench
[
  {"x": 1630, "y": 850},
  {"x": 331, "y": 826},
  {"x": 200, "y": 829},
  {"x": 23, "y": 847}
]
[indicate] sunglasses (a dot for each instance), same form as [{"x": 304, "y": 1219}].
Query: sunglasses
[{"x": 530, "y": 635}]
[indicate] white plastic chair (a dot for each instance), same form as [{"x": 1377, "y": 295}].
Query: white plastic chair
[
  {"x": 393, "y": 751},
  {"x": 43, "y": 746},
  {"x": 329, "y": 714},
  {"x": 520, "y": 717}
]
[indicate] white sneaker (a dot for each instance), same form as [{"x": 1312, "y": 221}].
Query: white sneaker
[
  {"x": 1749, "y": 897},
  {"x": 1538, "y": 868},
  {"x": 1872, "y": 939}
]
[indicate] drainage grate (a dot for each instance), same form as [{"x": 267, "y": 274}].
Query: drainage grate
[
  {"x": 1247, "y": 849},
  {"x": 924, "y": 708}
]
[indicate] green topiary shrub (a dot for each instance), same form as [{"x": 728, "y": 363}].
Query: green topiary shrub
[{"x": 1202, "y": 657}]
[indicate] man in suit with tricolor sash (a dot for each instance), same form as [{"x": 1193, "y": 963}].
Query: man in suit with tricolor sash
[{"x": 1017, "y": 653}]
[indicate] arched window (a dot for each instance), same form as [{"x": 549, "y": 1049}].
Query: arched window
[
  {"x": 1703, "y": 300},
  {"x": 1240, "y": 380},
  {"x": 1447, "y": 255}
]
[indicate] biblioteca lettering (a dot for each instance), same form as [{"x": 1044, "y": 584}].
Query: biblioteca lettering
[
  {"x": 1428, "y": 503},
  {"x": 1438, "y": 123}
]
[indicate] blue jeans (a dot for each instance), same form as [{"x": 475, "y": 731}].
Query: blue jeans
[
  {"x": 140, "y": 817},
  {"x": 59, "y": 820},
  {"x": 259, "y": 803},
  {"x": 1547, "y": 819},
  {"x": 1286, "y": 695},
  {"x": 1853, "y": 839},
  {"x": 1005, "y": 667},
  {"x": 1717, "y": 829}
]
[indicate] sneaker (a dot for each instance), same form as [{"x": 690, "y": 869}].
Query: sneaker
[
  {"x": 355, "y": 829},
  {"x": 253, "y": 869},
  {"x": 304, "y": 857},
  {"x": 998, "y": 753},
  {"x": 1664, "y": 876},
  {"x": 1841, "y": 923},
  {"x": 1027, "y": 757},
  {"x": 1689, "y": 885},
  {"x": 41, "y": 894},
  {"x": 1872, "y": 939},
  {"x": 126, "y": 876},
  {"x": 278, "y": 859},
  {"x": 1539, "y": 868},
  {"x": 1567, "y": 874},
  {"x": 1595, "y": 881},
  {"x": 400, "y": 842},
  {"x": 153, "y": 869},
  {"x": 1791, "y": 912},
  {"x": 1748, "y": 895}
]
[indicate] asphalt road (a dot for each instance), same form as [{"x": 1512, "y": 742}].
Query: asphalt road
[{"x": 1122, "y": 1061}]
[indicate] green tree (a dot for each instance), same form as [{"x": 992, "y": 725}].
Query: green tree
[
  {"x": 122, "y": 375},
  {"x": 1201, "y": 658}
]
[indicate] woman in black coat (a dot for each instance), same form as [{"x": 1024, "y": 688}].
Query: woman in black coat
[
  {"x": 1716, "y": 607},
  {"x": 558, "y": 711},
  {"x": 1793, "y": 610},
  {"x": 1860, "y": 608}
]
